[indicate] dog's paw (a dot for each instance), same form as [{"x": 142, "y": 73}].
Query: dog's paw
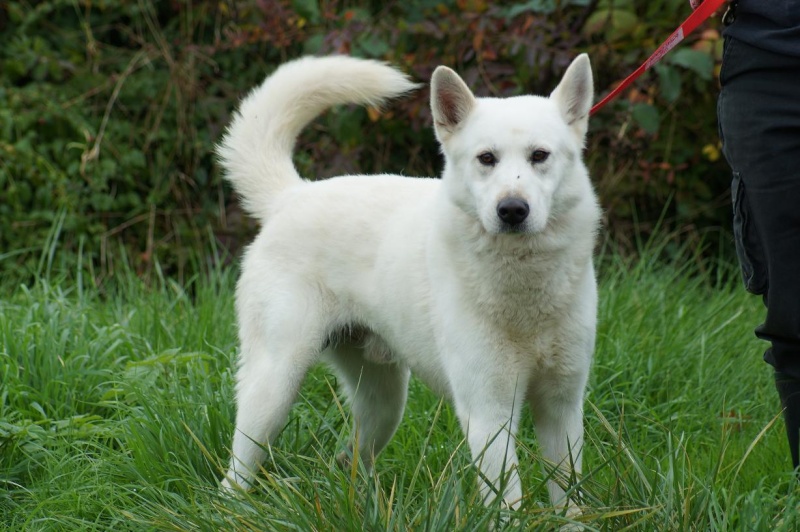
[
  {"x": 230, "y": 488},
  {"x": 572, "y": 513},
  {"x": 345, "y": 460}
]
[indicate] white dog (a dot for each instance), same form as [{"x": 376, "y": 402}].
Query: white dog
[{"x": 481, "y": 283}]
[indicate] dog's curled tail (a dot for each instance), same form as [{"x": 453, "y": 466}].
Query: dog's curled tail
[{"x": 256, "y": 151}]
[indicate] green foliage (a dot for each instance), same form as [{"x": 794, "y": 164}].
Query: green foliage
[
  {"x": 657, "y": 145},
  {"x": 110, "y": 110}
]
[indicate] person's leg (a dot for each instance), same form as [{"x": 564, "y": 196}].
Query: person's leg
[
  {"x": 759, "y": 115},
  {"x": 789, "y": 392}
]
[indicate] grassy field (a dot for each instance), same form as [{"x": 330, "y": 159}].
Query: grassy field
[{"x": 116, "y": 413}]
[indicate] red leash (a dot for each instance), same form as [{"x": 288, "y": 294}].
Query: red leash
[{"x": 706, "y": 9}]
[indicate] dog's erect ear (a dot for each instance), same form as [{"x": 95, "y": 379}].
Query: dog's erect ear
[
  {"x": 451, "y": 101},
  {"x": 575, "y": 93}
]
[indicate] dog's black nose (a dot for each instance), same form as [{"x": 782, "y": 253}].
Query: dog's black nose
[{"x": 513, "y": 211}]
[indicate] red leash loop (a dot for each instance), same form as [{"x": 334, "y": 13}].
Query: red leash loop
[{"x": 697, "y": 17}]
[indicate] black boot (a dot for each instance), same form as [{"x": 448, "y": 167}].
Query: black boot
[{"x": 789, "y": 392}]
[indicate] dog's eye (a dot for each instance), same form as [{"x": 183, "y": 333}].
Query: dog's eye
[
  {"x": 539, "y": 156},
  {"x": 487, "y": 158}
]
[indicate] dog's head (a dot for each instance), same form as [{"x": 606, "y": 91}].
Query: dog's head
[{"x": 509, "y": 161}]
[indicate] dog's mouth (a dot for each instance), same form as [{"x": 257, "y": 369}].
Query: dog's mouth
[{"x": 513, "y": 229}]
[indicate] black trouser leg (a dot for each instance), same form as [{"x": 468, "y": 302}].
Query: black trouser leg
[
  {"x": 759, "y": 116},
  {"x": 789, "y": 392}
]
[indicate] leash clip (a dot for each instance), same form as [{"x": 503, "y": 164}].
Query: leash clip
[{"x": 730, "y": 14}]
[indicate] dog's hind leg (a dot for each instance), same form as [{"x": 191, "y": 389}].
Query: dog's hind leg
[
  {"x": 280, "y": 341},
  {"x": 377, "y": 388}
]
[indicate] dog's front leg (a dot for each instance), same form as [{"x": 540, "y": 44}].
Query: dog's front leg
[
  {"x": 488, "y": 409},
  {"x": 557, "y": 410}
]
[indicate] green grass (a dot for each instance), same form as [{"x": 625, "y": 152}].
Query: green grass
[{"x": 116, "y": 413}]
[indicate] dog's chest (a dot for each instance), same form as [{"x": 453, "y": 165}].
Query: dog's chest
[
  {"x": 523, "y": 292},
  {"x": 523, "y": 323},
  {"x": 528, "y": 305}
]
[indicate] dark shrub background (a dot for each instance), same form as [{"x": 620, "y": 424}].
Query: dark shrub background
[{"x": 110, "y": 110}]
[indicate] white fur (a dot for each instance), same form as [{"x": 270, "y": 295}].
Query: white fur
[{"x": 383, "y": 275}]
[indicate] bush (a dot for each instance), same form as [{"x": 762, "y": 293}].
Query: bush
[{"x": 109, "y": 111}]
